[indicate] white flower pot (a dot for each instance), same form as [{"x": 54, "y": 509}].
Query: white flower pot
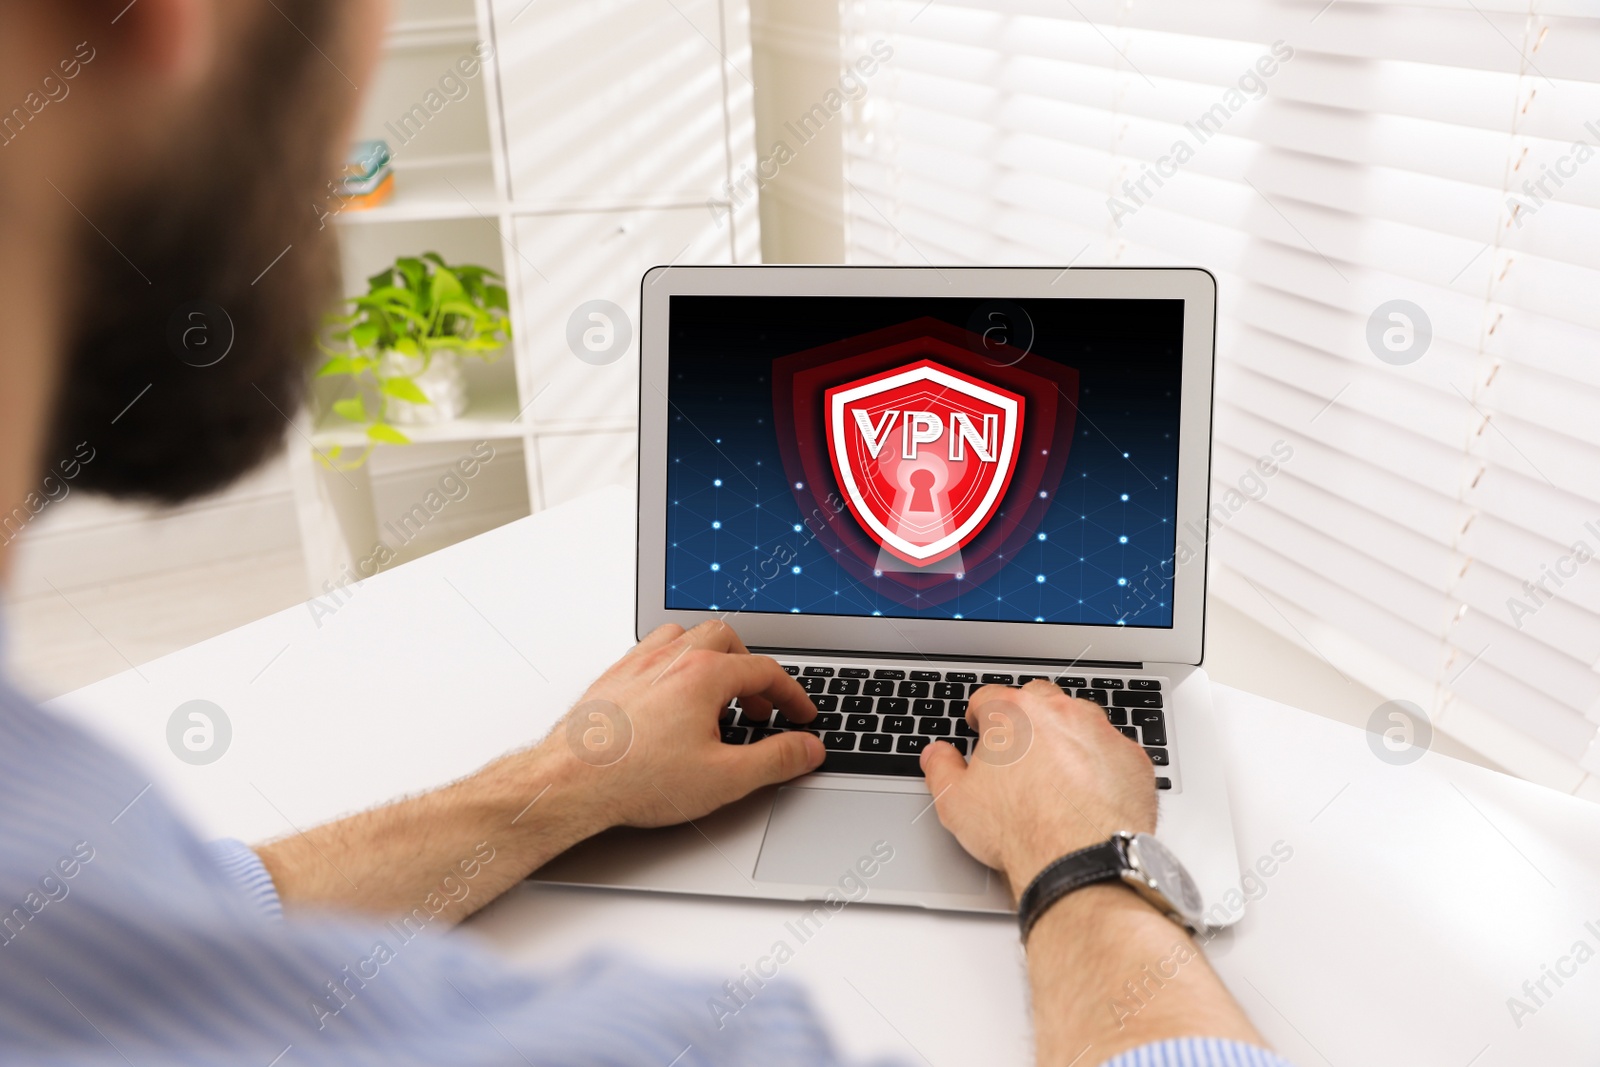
[{"x": 442, "y": 382}]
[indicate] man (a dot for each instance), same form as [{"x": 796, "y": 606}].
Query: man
[{"x": 159, "y": 156}]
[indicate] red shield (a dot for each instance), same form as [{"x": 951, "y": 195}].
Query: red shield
[
  {"x": 924, "y": 454},
  {"x": 801, "y": 385}
]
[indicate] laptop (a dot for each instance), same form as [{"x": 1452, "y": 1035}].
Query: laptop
[{"x": 904, "y": 483}]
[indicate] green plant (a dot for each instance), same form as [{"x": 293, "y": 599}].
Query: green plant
[{"x": 414, "y": 310}]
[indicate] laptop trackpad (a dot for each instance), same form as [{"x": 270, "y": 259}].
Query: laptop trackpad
[{"x": 818, "y": 836}]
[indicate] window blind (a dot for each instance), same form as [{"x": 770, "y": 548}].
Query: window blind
[{"x": 1401, "y": 202}]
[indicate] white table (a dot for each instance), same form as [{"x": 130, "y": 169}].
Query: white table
[{"x": 1418, "y": 898}]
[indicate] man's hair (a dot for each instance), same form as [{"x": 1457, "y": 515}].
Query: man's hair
[{"x": 219, "y": 245}]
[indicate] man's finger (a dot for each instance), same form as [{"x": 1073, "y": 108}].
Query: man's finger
[
  {"x": 1044, "y": 690},
  {"x": 756, "y": 708},
  {"x": 774, "y": 759},
  {"x": 755, "y": 705},
  {"x": 660, "y": 637},
  {"x": 760, "y": 678},
  {"x": 714, "y": 635},
  {"x": 989, "y": 694},
  {"x": 942, "y": 767},
  {"x": 1009, "y": 703},
  {"x": 992, "y": 692}
]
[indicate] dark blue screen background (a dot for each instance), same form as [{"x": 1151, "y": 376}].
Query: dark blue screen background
[{"x": 1097, "y": 557}]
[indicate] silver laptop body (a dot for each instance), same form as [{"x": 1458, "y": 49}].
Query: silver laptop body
[{"x": 871, "y": 372}]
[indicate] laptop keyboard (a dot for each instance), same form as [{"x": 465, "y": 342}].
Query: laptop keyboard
[{"x": 877, "y": 720}]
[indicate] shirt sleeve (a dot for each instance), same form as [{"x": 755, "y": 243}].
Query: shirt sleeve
[
  {"x": 1198, "y": 1052},
  {"x": 127, "y": 939},
  {"x": 243, "y": 869}
]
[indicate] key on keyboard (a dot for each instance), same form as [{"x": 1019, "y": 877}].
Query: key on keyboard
[
  {"x": 1152, "y": 725},
  {"x": 873, "y": 762}
]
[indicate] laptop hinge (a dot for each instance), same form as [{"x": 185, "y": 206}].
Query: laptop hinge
[{"x": 828, "y": 653}]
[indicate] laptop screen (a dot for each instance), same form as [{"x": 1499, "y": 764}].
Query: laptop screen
[{"x": 929, "y": 458}]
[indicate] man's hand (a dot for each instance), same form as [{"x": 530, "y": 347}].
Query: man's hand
[
  {"x": 642, "y": 748},
  {"x": 647, "y": 729},
  {"x": 1050, "y": 775}
]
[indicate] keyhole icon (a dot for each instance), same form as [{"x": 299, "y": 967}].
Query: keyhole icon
[{"x": 921, "y": 490}]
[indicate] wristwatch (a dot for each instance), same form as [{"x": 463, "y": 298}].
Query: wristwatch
[{"x": 1140, "y": 861}]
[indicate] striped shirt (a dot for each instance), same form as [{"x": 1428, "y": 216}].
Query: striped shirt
[
  {"x": 124, "y": 940},
  {"x": 1197, "y": 1052}
]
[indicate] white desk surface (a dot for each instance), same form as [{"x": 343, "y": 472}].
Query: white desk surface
[{"x": 1417, "y": 901}]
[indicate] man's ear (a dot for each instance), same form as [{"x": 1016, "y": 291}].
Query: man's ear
[{"x": 171, "y": 42}]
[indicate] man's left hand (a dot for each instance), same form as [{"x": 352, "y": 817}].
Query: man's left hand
[{"x": 648, "y": 741}]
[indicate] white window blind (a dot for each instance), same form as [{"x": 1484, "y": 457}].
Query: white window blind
[{"x": 1323, "y": 159}]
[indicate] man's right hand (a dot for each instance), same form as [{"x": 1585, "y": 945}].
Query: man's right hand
[{"x": 1050, "y": 775}]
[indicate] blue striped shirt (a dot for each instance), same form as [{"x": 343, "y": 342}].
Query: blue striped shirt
[
  {"x": 1197, "y": 1052},
  {"x": 124, "y": 939}
]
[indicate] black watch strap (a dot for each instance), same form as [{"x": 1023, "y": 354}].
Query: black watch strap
[{"x": 1098, "y": 863}]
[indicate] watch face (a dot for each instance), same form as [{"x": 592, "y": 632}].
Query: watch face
[{"x": 1167, "y": 876}]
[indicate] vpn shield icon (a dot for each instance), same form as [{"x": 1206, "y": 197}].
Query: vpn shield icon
[
  {"x": 924, "y": 454},
  {"x": 919, "y": 573}
]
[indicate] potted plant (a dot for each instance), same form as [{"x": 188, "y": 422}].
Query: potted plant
[{"x": 402, "y": 343}]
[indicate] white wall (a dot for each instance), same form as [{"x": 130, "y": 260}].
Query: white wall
[{"x": 796, "y": 61}]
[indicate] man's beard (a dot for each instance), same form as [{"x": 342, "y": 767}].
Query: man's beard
[{"x": 220, "y": 251}]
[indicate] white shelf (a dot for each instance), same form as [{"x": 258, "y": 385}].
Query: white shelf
[
  {"x": 528, "y": 208},
  {"x": 621, "y": 130},
  {"x": 491, "y": 415},
  {"x": 432, "y": 33},
  {"x": 459, "y": 188}
]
